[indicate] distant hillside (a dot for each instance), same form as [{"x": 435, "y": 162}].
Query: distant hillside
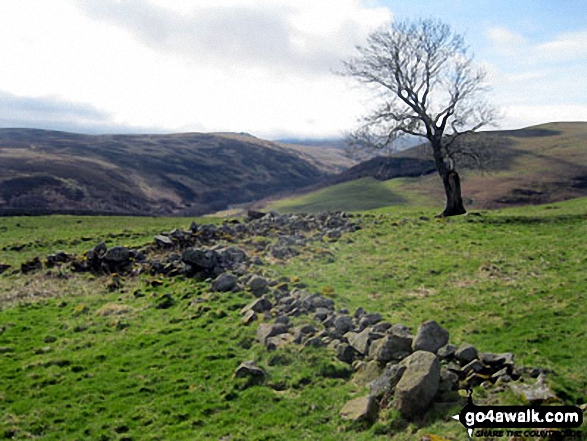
[
  {"x": 180, "y": 174},
  {"x": 535, "y": 165}
]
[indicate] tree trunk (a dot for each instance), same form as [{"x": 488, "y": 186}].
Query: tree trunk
[
  {"x": 450, "y": 179},
  {"x": 452, "y": 188}
]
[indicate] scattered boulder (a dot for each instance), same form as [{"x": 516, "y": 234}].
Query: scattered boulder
[
  {"x": 419, "y": 383},
  {"x": 266, "y": 330},
  {"x": 257, "y": 284},
  {"x": 362, "y": 409},
  {"x": 360, "y": 341},
  {"x": 386, "y": 382},
  {"x": 466, "y": 353},
  {"x": 225, "y": 282},
  {"x": 250, "y": 370},
  {"x": 430, "y": 337}
]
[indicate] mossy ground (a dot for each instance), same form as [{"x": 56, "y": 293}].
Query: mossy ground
[{"x": 81, "y": 362}]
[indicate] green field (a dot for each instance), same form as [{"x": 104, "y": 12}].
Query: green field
[
  {"x": 361, "y": 194},
  {"x": 80, "y": 362}
]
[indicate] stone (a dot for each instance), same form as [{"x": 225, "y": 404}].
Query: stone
[
  {"x": 278, "y": 341},
  {"x": 300, "y": 333},
  {"x": 419, "y": 383},
  {"x": 369, "y": 319},
  {"x": 362, "y": 409},
  {"x": 366, "y": 372},
  {"x": 360, "y": 341},
  {"x": 346, "y": 353},
  {"x": 430, "y": 337},
  {"x": 249, "y": 369},
  {"x": 249, "y": 317},
  {"x": 200, "y": 258},
  {"x": 474, "y": 366},
  {"x": 447, "y": 351},
  {"x": 225, "y": 282},
  {"x": 117, "y": 254},
  {"x": 386, "y": 382},
  {"x": 466, "y": 353},
  {"x": 259, "y": 305},
  {"x": 382, "y": 327},
  {"x": 343, "y": 324},
  {"x": 266, "y": 330},
  {"x": 163, "y": 241},
  {"x": 257, "y": 284},
  {"x": 538, "y": 392},
  {"x": 448, "y": 381},
  {"x": 389, "y": 347}
]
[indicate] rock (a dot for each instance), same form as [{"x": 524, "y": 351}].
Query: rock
[
  {"x": 419, "y": 383},
  {"x": 200, "y": 259},
  {"x": 466, "y": 354},
  {"x": 163, "y": 241},
  {"x": 259, "y": 305},
  {"x": 360, "y": 409},
  {"x": 300, "y": 333},
  {"x": 346, "y": 353},
  {"x": 266, "y": 330},
  {"x": 278, "y": 341},
  {"x": 4, "y": 267},
  {"x": 369, "y": 319},
  {"x": 447, "y": 351},
  {"x": 538, "y": 392},
  {"x": 431, "y": 337},
  {"x": 366, "y": 372},
  {"x": 31, "y": 265},
  {"x": 249, "y": 317},
  {"x": 382, "y": 327},
  {"x": 448, "y": 381},
  {"x": 117, "y": 255},
  {"x": 360, "y": 341},
  {"x": 386, "y": 382},
  {"x": 390, "y": 347},
  {"x": 224, "y": 282},
  {"x": 249, "y": 369},
  {"x": 343, "y": 324},
  {"x": 474, "y": 366},
  {"x": 257, "y": 284}
]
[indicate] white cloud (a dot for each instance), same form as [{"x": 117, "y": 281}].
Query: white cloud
[
  {"x": 259, "y": 66},
  {"x": 538, "y": 81}
]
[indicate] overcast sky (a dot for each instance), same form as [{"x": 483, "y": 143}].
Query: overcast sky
[{"x": 262, "y": 66}]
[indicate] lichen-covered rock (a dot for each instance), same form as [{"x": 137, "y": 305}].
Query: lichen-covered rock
[
  {"x": 466, "y": 353},
  {"x": 360, "y": 409},
  {"x": 418, "y": 385},
  {"x": 225, "y": 282},
  {"x": 430, "y": 337}
]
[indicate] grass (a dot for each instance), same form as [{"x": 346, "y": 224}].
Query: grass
[
  {"x": 80, "y": 362},
  {"x": 362, "y": 194}
]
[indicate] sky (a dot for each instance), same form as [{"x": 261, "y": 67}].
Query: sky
[{"x": 265, "y": 67}]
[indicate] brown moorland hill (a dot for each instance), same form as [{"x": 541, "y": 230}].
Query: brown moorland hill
[{"x": 178, "y": 174}]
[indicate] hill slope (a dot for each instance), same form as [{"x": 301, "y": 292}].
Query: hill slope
[
  {"x": 180, "y": 174},
  {"x": 539, "y": 164}
]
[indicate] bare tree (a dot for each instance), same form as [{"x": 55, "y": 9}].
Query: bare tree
[{"x": 427, "y": 86}]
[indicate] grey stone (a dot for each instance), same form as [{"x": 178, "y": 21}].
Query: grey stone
[
  {"x": 249, "y": 317},
  {"x": 418, "y": 385},
  {"x": 360, "y": 341},
  {"x": 401, "y": 330},
  {"x": 163, "y": 241},
  {"x": 343, "y": 324},
  {"x": 117, "y": 254},
  {"x": 346, "y": 353},
  {"x": 366, "y": 372},
  {"x": 257, "y": 284},
  {"x": 466, "y": 353},
  {"x": 369, "y": 319},
  {"x": 474, "y": 366},
  {"x": 266, "y": 330},
  {"x": 251, "y": 370},
  {"x": 360, "y": 409},
  {"x": 259, "y": 305},
  {"x": 390, "y": 347},
  {"x": 430, "y": 337},
  {"x": 386, "y": 382},
  {"x": 278, "y": 341},
  {"x": 447, "y": 351},
  {"x": 382, "y": 327},
  {"x": 224, "y": 282},
  {"x": 448, "y": 380}
]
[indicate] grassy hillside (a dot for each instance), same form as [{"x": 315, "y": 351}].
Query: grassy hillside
[
  {"x": 79, "y": 361},
  {"x": 360, "y": 194},
  {"x": 187, "y": 174},
  {"x": 536, "y": 165}
]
